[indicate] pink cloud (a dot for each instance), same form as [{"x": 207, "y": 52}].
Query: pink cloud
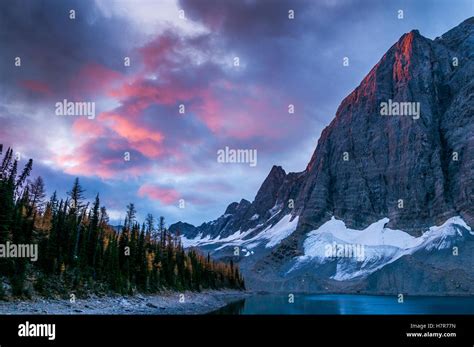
[
  {"x": 104, "y": 158},
  {"x": 245, "y": 116},
  {"x": 158, "y": 52},
  {"x": 86, "y": 127},
  {"x": 229, "y": 110},
  {"x": 163, "y": 194},
  {"x": 168, "y": 93},
  {"x": 90, "y": 164},
  {"x": 93, "y": 78},
  {"x": 209, "y": 110},
  {"x": 145, "y": 140},
  {"x": 126, "y": 128},
  {"x": 36, "y": 86},
  {"x": 84, "y": 163},
  {"x": 148, "y": 148}
]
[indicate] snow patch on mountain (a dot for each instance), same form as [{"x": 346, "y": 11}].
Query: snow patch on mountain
[
  {"x": 195, "y": 242},
  {"x": 270, "y": 236},
  {"x": 381, "y": 245},
  {"x": 280, "y": 231}
]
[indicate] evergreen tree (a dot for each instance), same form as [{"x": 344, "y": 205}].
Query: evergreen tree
[{"x": 79, "y": 249}]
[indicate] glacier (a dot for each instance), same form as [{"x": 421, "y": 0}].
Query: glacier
[{"x": 382, "y": 245}]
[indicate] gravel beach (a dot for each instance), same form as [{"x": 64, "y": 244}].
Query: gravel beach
[{"x": 185, "y": 303}]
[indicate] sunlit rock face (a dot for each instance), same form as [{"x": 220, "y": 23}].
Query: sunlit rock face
[{"x": 416, "y": 171}]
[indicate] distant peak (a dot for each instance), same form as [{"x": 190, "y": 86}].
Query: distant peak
[
  {"x": 469, "y": 21},
  {"x": 244, "y": 202},
  {"x": 231, "y": 208},
  {"x": 408, "y": 38},
  {"x": 277, "y": 170},
  {"x": 463, "y": 29},
  {"x": 405, "y": 43}
]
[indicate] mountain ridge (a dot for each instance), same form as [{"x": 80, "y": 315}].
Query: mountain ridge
[{"x": 418, "y": 173}]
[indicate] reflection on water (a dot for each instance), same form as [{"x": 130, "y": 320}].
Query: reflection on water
[
  {"x": 236, "y": 307},
  {"x": 349, "y": 304}
]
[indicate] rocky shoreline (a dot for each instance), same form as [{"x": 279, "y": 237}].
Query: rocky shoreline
[{"x": 169, "y": 303}]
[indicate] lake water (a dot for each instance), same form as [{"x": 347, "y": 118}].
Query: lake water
[{"x": 349, "y": 304}]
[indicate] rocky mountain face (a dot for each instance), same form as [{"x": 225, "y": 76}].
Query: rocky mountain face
[
  {"x": 411, "y": 166},
  {"x": 394, "y": 160},
  {"x": 271, "y": 200}
]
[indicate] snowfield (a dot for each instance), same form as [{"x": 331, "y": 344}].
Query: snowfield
[
  {"x": 381, "y": 245},
  {"x": 270, "y": 236},
  {"x": 376, "y": 245}
]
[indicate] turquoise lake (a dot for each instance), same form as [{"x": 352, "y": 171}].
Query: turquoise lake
[{"x": 348, "y": 304}]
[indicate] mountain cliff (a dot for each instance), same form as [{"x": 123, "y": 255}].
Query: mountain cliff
[{"x": 393, "y": 172}]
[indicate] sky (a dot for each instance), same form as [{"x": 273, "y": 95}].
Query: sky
[{"x": 161, "y": 119}]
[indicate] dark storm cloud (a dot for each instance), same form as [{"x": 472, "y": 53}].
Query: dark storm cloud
[{"x": 52, "y": 47}]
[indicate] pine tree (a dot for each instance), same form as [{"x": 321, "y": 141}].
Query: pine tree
[
  {"x": 76, "y": 195},
  {"x": 78, "y": 247},
  {"x": 150, "y": 228},
  {"x": 24, "y": 175}
]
